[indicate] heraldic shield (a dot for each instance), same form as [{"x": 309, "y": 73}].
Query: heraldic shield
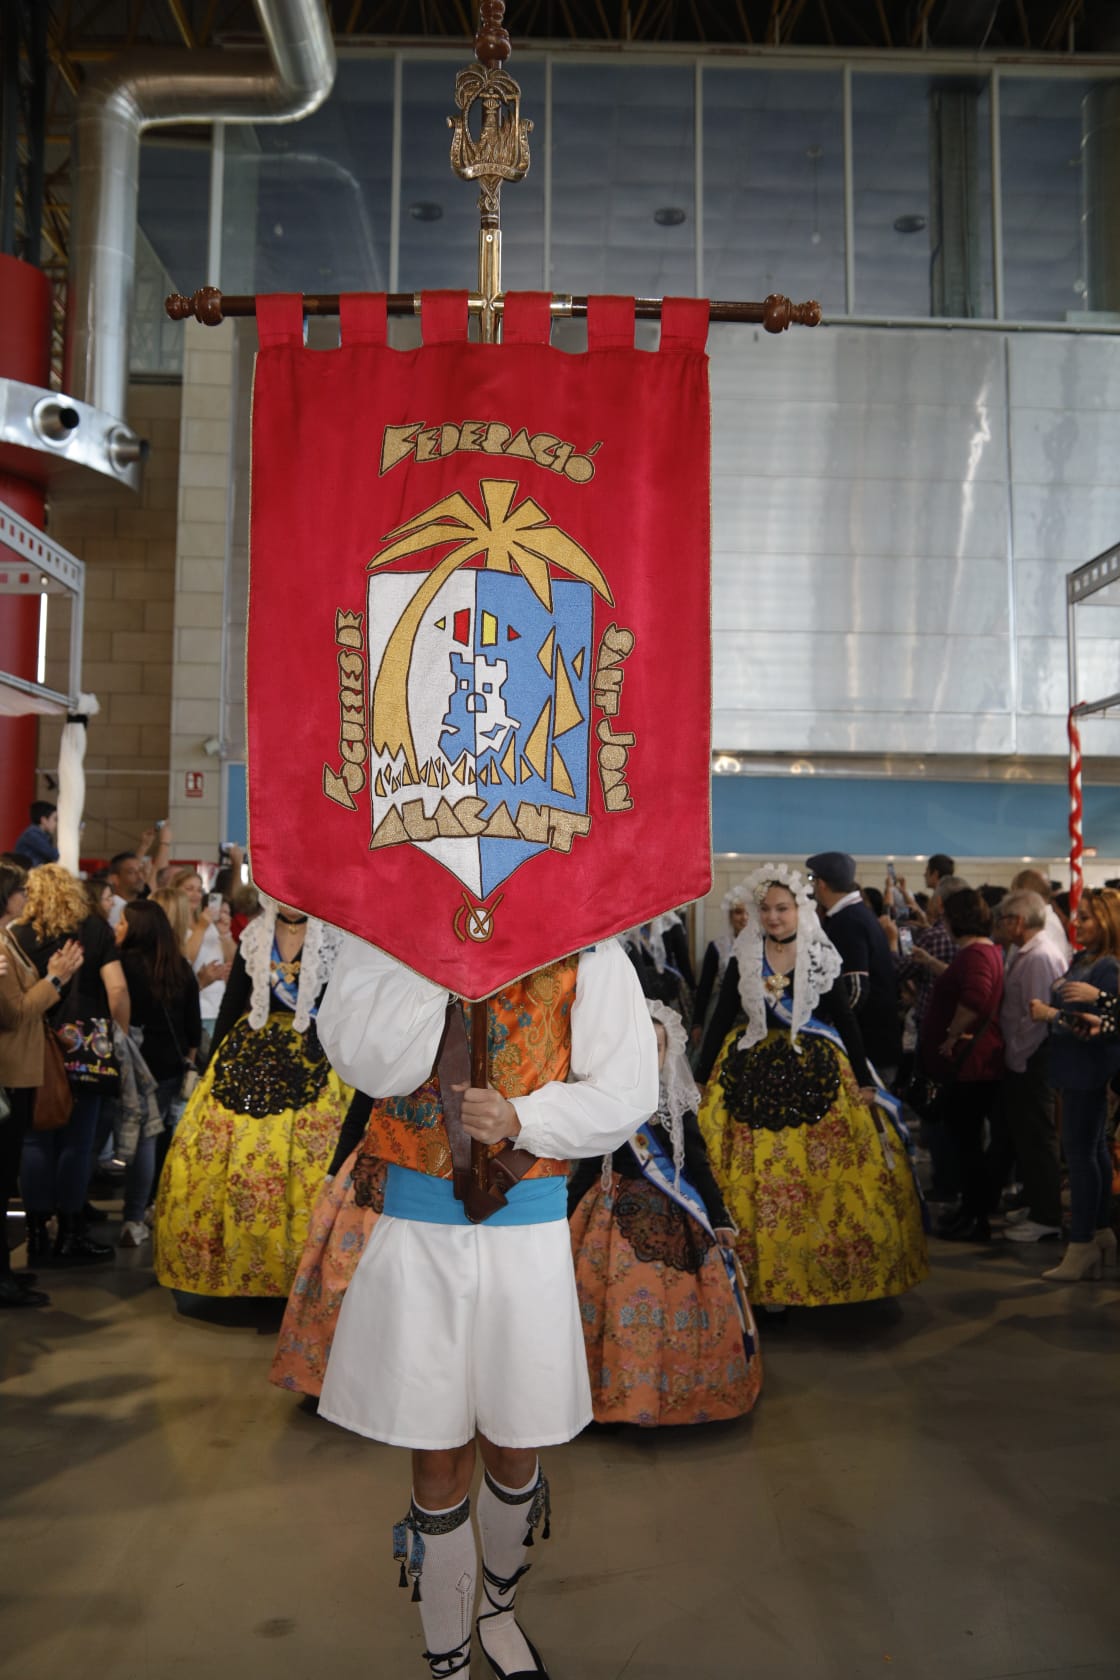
[{"x": 478, "y": 659}]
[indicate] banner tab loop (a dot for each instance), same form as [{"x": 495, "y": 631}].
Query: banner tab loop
[
  {"x": 610, "y": 323},
  {"x": 444, "y": 317},
  {"x": 280, "y": 320},
  {"x": 684, "y": 323},
  {"x": 363, "y": 318},
  {"x": 527, "y": 318}
]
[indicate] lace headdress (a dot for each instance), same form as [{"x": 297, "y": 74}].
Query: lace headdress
[
  {"x": 321, "y": 945},
  {"x": 818, "y": 961},
  {"x": 677, "y": 1094}
]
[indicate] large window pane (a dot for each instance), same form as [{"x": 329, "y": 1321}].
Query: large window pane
[
  {"x": 173, "y": 213},
  {"x": 922, "y": 180},
  {"x": 439, "y": 213},
  {"x": 623, "y": 202},
  {"x": 774, "y": 185},
  {"x": 306, "y": 205},
  {"x": 1042, "y": 128}
]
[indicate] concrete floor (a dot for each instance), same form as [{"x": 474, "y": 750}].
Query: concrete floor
[{"x": 927, "y": 1489}]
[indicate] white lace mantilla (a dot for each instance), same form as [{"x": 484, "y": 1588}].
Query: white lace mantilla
[
  {"x": 321, "y": 945},
  {"x": 818, "y": 961},
  {"x": 678, "y": 1094}
]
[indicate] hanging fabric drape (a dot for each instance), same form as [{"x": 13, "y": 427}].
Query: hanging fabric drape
[{"x": 479, "y": 630}]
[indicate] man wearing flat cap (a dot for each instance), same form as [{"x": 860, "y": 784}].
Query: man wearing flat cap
[{"x": 868, "y": 972}]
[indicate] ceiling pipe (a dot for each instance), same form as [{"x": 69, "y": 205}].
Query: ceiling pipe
[{"x": 117, "y": 104}]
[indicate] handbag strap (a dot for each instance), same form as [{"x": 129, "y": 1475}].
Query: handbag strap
[
  {"x": 974, "y": 1039},
  {"x": 184, "y": 1059}
]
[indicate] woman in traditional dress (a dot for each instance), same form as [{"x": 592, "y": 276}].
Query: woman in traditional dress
[
  {"x": 251, "y": 1151},
  {"x": 807, "y": 1147},
  {"x": 343, "y": 1217},
  {"x": 666, "y": 1324}
]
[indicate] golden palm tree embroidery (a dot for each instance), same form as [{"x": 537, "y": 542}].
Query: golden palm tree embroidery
[{"x": 509, "y": 538}]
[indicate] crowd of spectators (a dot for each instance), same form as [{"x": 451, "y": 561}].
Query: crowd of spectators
[
  {"x": 983, "y": 1007},
  {"x": 98, "y": 977}
]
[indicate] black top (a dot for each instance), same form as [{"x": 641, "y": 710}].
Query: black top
[
  {"x": 696, "y": 1168},
  {"x": 709, "y": 974},
  {"x": 84, "y": 995},
  {"x": 676, "y": 949},
  {"x": 169, "y": 1030},
  {"x": 239, "y": 995},
  {"x": 663, "y": 985},
  {"x": 353, "y": 1130},
  {"x": 833, "y": 1008},
  {"x": 866, "y": 957}
]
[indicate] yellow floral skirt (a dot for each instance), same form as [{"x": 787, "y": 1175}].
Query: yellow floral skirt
[
  {"x": 246, "y": 1164},
  {"x": 827, "y": 1211}
]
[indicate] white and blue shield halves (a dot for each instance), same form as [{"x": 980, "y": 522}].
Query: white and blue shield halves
[{"x": 494, "y": 765}]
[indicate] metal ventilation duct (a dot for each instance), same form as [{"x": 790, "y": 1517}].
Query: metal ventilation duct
[{"x": 158, "y": 88}]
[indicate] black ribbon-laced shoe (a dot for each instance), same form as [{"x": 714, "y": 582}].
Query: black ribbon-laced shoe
[{"x": 505, "y": 1587}]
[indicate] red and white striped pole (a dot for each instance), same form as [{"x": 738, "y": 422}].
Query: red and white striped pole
[{"x": 1076, "y": 812}]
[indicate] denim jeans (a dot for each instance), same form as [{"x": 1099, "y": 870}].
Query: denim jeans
[
  {"x": 55, "y": 1166},
  {"x": 1084, "y": 1142},
  {"x": 140, "y": 1178}
]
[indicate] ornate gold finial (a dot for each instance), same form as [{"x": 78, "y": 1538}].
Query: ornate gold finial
[{"x": 501, "y": 152}]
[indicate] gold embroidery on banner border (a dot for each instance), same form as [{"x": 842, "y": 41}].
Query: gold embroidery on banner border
[
  {"x": 350, "y": 778},
  {"x": 606, "y": 691}
]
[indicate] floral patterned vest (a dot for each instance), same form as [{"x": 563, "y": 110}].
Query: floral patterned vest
[{"x": 530, "y": 1043}]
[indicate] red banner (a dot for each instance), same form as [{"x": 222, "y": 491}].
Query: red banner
[{"x": 479, "y": 637}]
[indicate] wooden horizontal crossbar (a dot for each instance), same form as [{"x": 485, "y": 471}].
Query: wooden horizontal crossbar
[{"x": 775, "y": 313}]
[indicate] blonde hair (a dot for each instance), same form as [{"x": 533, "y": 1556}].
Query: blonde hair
[
  {"x": 176, "y": 907},
  {"x": 1104, "y": 902},
  {"x": 178, "y": 883},
  {"x": 56, "y": 902}
]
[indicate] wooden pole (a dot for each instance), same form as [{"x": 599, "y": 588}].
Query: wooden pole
[{"x": 775, "y": 313}]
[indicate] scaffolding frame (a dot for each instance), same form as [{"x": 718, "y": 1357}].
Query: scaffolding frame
[
  {"x": 31, "y": 564},
  {"x": 1082, "y": 584}
]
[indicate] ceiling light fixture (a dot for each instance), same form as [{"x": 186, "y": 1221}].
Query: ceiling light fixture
[
  {"x": 669, "y": 215},
  {"x": 426, "y": 211},
  {"x": 909, "y": 224}
]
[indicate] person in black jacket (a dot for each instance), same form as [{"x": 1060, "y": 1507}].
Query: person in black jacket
[
  {"x": 164, "y": 993},
  {"x": 868, "y": 970}
]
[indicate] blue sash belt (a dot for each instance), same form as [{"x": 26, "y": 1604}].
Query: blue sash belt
[{"x": 414, "y": 1195}]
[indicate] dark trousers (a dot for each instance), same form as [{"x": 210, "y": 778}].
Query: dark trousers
[
  {"x": 1085, "y": 1144},
  {"x": 962, "y": 1108},
  {"x": 11, "y": 1149},
  {"x": 1028, "y": 1112},
  {"x": 55, "y": 1166}
]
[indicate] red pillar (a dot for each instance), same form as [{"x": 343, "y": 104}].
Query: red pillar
[{"x": 24, "y": 355}]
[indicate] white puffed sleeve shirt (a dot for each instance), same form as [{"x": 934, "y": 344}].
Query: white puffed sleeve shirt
[{"x": 380, "y": 1025}]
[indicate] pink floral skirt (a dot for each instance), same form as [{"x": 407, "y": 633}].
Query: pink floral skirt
[
  {"x": 661, "y": 1327},
  {"x": 341, "y": 1222}
]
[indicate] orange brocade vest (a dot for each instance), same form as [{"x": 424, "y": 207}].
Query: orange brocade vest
[{"x": 530, "y": 1043}]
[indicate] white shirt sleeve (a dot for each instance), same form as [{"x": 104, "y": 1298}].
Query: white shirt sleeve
[
  {"x": 613, "y": 1086},
  {"x": 379, "y": 1023}
]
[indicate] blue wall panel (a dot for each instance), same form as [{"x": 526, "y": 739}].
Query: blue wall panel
[{"x": 797, "y": 815}]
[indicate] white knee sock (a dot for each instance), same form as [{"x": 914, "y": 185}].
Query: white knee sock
[
  {"x": 506, "y": 1518},
  {"x": 437, "y": 1553}
]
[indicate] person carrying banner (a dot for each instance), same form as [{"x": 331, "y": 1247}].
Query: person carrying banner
[
  {"x": 668, "y": 1329},
  {"x": 806, "y": 1144},
  {"x": 453, "y": 1333}
]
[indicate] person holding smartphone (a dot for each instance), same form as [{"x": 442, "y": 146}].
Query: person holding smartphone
[
  {"x": 209, "y": 947},
  {"x": 1081, "y": 1069}
]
